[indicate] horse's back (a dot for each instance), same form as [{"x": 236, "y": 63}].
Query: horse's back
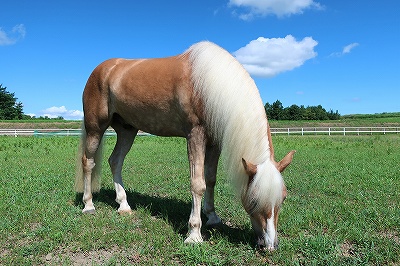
[{"x": 154, "y": 95}]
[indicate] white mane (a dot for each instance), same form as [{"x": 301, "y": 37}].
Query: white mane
[{"x": 236, "y": 118}]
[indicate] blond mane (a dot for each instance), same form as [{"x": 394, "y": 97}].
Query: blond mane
[{"x": 236, "y": 119}]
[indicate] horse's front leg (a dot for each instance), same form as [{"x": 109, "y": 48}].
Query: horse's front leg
[
  {"x": 211, "y": 164},
  {"x": 196, "y": 153}
]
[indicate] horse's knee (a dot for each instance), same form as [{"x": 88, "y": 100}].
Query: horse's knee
[
  {"x": 88, "y": 164},
  {"x": 198, "y": 186}
]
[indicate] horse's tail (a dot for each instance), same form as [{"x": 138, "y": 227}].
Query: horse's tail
[{"x": 96, "y": 172}]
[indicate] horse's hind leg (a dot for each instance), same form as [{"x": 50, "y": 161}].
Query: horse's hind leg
[
  {"x": 125, "y": 138},
  {"x": 210, "y": 172},
  {"x": 91, "y": 146}
]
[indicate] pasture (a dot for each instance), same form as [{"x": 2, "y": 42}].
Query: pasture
[{"x": 343, "y": 206}]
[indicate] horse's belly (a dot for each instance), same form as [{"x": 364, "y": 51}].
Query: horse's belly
[{"x": 158, "y": 122}]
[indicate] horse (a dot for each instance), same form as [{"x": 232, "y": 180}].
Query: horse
[{"x": 204, "y": 95}]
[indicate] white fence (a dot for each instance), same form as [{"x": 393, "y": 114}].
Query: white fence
[
  {"x": 336, "y": 131},
  {"x": 275, "y": 131}
]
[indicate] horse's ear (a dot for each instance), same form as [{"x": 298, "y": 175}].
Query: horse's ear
[
  {"x": 251, "y": 169},
  {"x": 282, "y": 164}
]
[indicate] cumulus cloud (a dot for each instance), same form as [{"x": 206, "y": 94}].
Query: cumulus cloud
[
  {"x": 249, "y": 9},
  {"x": 346, "y": 50},
  {"x": 54, "y": 112},
  {"x": 266, "y": 57},
  {"x": 17, "y": 33}
]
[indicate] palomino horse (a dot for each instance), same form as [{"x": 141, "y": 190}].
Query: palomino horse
[{"x": 204, "y": 95}]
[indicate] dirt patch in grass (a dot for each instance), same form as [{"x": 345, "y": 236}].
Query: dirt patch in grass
[
  {"x": 92, "y": 257},
  {"x": 390, "y": 235},
  {"x": 347, "y": 249}
]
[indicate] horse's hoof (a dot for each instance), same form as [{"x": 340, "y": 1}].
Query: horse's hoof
[
  {"x": 267, "y": 249},
  {"x": 125, "y": 212},
  {"x": 88, "y": 211},
  {"x": 193, "y": 239},
  {"x": 214, "y": 221}
]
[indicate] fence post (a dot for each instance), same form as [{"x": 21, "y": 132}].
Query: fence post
[
  {"x": 302, "y": 131},
  {"x": 329, "y": 131},
  {"x": 288, "y": 131},
  {"x": 344, "y": 131}
]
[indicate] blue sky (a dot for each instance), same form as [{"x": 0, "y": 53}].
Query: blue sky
[{"x": 341, "y": 54}]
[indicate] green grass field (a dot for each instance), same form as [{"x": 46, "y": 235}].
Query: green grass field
[{"x": 343, "y": 206}]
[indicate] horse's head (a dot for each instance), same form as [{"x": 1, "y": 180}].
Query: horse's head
[
  {"x": 263, "y": 199},
  {"x": 264, "y": 206}
]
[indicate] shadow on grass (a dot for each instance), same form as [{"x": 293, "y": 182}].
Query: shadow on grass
[{"x": 174, "y": 211}]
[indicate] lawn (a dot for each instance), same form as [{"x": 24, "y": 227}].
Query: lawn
[{"x": 342, "y": 207}]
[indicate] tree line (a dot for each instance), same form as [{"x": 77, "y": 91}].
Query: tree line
[
  {"x": 10, "y": 109},
  {"x": 276, "y": 111}
]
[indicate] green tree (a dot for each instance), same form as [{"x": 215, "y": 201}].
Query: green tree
[
  {"x": 294, "y": 112},
  {"x": 320, "y": 112},
  {"x": 10, "y": 109},
  {"x": 277, "y": 110},
  {"x": 333, "y": 115},
  {"x": 268, "y": 109}
]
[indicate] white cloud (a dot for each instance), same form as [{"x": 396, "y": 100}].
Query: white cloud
[
  {"x": 266, "y": 57},
  {"x": 54, "y": 112},
  {"x": 9, "y": 38},
  {"x": 347, "y": 49},
  {"x": 280, "y": 8}
]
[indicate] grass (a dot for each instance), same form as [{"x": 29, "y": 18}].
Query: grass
[{"x": 342, "y": 207}]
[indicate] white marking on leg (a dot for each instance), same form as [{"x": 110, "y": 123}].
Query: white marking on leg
[
  {"x": 270, "y": 233},
  {"x": 195, "y": 221},
  {"x": 121, "y": 198}
]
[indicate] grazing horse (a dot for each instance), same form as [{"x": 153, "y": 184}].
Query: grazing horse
[{"x": 204, "y": 95}]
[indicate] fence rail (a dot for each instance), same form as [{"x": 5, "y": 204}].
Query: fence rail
[
  {"x": 274, "y": 131},
  {"x": 336, "y": 131}
]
